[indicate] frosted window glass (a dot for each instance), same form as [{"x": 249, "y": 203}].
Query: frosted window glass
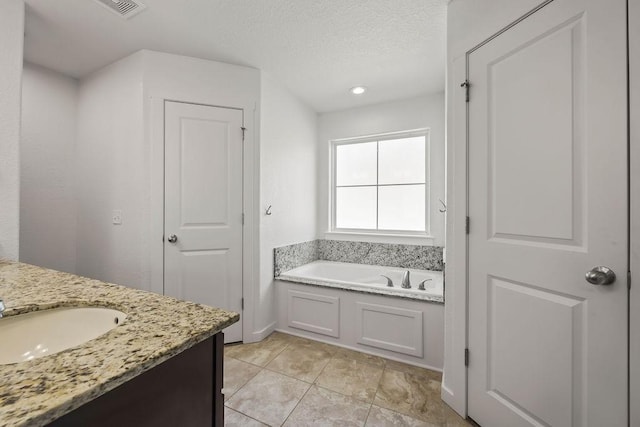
[
  {"x": 402, "y": 161},
  {"x": 356, "y": 164},
  {"x": 356, "y": 207},
  {"x": 402, "y": 207}
]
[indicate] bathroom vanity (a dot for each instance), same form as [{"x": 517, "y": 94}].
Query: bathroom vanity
[{"x": 161, "y": 365}]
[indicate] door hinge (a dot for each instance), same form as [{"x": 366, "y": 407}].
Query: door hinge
[
  {"x": 466, "y": 86},
  {"x": 244, "y": 129},
  {"x": 241, "y": 303},
  {"x": 466, "y": 225},
  {"x": 466, "y": 357},
  {"x": 242, "y": 218}
]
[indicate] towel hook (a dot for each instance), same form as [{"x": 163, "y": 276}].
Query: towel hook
[{"x": 268, "y": 211}]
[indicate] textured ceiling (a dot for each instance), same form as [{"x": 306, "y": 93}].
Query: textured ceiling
[{"x": 316, "y": 48}]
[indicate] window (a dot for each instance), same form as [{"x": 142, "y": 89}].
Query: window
[{"x": 379, "y": 183}]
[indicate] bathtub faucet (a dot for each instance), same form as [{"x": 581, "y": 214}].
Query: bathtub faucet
[
  {"x": 406, "y": 283},
  {"x": 389, "y": 281},
  {"x": 421, "y": 285}
]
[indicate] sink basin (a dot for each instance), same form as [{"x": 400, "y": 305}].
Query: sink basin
[{"x": 41, "y": 333}]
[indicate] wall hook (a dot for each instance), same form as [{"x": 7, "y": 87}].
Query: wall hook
[
  {"x": 444, "y": 207},
  {"x": 268, "y": 211}
]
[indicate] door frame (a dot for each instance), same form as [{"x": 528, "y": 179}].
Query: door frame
[
  {"x": 455, "y": 379},
  {"x": 633, "y": 49},
  {"x": 154, "y": 111}
]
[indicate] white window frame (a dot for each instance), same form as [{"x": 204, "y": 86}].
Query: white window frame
[{"x": 380, "y": 236}]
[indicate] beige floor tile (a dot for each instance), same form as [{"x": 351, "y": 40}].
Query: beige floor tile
[
  {"x": 452, "y": 419},
  {"x": 260, "y": 353},
  {"x": 351, "y": 377},
  {"x": 287, "y": 337},
  {"x": 380, "y": 417},
  {"x": 414, "y": 370},
  {"x": 346, "y": 382},
  {"x": 301, "y": 361},
  {"x": 322, "y": 408},
  {"x": 236, "y": 419},
  {"x": 268, "y": 397},
  {"x": 304, "y": 342},
  {"x": 343, "y": 353},
  {"x": 411, "y": 395},
  {"x": 236, "y": 374}
]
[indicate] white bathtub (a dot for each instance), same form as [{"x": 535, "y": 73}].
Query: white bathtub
[
  {"x": 368, "y": 278},
  {"x": 350, "y": 305}
]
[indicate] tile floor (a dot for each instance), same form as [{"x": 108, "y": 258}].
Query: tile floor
[{"x": 290, "y": 381}]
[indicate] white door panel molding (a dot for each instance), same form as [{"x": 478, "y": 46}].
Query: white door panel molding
[{"x": 547, "y": 147}]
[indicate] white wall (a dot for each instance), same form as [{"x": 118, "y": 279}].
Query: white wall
[
  {"x": 187, "y": 79},
  {"x": 111, "y": 174},
  {"x": 11, "y": 46},
  {"x": 469, "y": 22},
  {"x": 288, "y": 162},
  {"x": 47, "y": 169},
  {"x": 424, "y": 111},
  {"x": 119, "y": 165}
]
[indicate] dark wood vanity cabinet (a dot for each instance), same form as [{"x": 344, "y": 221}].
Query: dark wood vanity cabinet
[{"x": 185, "y": 390}]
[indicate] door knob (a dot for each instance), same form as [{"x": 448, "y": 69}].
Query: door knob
[
  {"x": 600, "y": 276},
  {"x": 173, "y": 238}
]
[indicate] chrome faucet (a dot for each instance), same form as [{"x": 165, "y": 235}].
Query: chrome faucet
[
  {"x": 421, "y": 285},
  {"x": 2, "y": 307},
  {"x": 406, "y": 283},
  {"x": 389, "y": 281}
]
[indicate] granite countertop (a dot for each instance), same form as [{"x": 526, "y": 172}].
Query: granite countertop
[{"x": 157, "y": 328}]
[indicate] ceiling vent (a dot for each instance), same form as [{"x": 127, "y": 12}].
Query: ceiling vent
[{"x": 123, "y": 8}]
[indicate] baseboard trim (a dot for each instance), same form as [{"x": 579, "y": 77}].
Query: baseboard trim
[
  {"x": 449, "y": 398},
  {"x": 261, "y": 334}
]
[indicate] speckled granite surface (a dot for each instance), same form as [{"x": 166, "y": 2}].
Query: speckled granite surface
[
  {"x": 390, "y": 255},
  {"x": 157, "y": 327},
  {"x": 292, "y": 256}
]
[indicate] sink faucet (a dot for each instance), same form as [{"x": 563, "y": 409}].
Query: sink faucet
[
  {"x": 406, "y": 283},
  {"x": 2, "y": 307}
]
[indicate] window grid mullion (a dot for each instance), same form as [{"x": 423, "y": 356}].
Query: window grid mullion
[
  {"x": 380, "y": 185},
  {"x": 377, "y": 183}
]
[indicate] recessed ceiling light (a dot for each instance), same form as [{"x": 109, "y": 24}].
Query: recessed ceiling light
[{"x": 358, "y": 90}]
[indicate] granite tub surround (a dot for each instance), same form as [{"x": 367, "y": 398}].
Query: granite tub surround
[
  {"x": 157, "y": 328},
  {"x": 292, "y": 256},
  {"x": 386, "y": 254}
]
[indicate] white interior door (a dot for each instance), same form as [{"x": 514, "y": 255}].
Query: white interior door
[
  {"x": 547, "y": 203},
  {"x": 203, "y": 207}
]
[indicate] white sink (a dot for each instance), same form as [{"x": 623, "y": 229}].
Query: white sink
[{"x": 41, "y": 333}]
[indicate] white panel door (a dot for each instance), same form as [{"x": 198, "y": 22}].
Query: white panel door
[
  {"x": 203, "y": 207},
  {"x": 547, "y": 203}
]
